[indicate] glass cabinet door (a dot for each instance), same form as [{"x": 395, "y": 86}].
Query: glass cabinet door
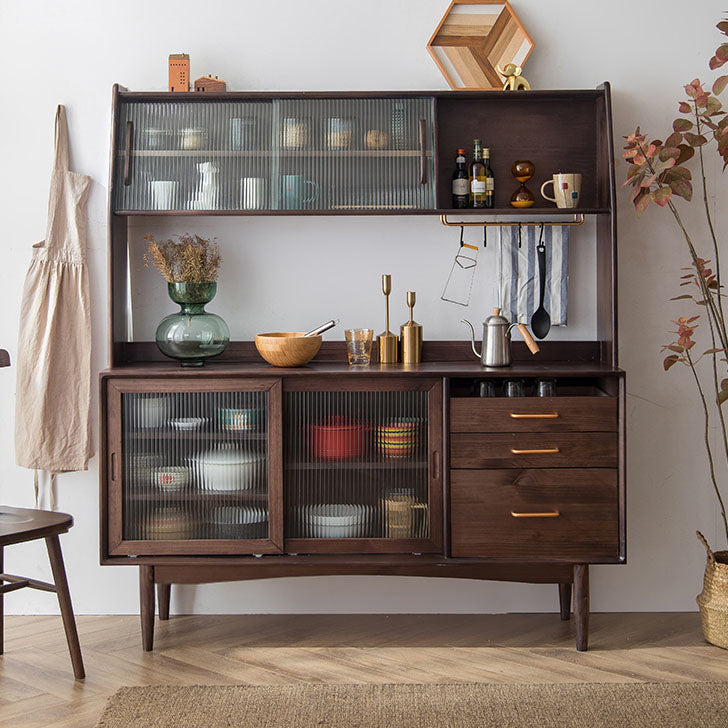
[
  {"x": 298, "y": 154},
  {"x": 193, "y": 468},
  {"x": 362, "y": 469}
]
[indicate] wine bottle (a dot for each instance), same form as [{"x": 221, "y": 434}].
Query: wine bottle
[
  {"x": 477, "y": 177},
  {"x": 460, "y": 182},
  {"x": 489, "y": 180}
]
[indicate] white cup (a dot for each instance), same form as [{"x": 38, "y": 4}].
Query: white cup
[
  {"x": 567, "y": 189},
  {"x": 164, "y": 194},
  {"x": 252, "y": 193}
]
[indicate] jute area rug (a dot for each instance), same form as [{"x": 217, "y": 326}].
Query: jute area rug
[{"x": 461, "y": 705}]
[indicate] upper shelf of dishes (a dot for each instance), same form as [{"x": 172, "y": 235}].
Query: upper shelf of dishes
[{"x": 329, "y": 153}]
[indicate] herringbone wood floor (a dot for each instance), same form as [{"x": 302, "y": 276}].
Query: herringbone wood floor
[{"x": 37, "y": 689}]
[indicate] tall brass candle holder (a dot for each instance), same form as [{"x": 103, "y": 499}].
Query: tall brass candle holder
[
  {"x": 410, "y": 335},
  {"x": 387, "y": 341}
]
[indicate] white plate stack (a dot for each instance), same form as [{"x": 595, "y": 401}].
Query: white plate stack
[{"x": 336, "y": 520}]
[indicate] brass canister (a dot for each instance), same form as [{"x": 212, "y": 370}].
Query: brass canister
[{"x": 410, "y": 335}]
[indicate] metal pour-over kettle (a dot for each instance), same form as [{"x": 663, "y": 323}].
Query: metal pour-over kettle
[{"x": 496, "y": 349}]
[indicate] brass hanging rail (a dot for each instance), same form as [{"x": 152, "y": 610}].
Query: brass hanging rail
[{"x": 578, "y": 220}]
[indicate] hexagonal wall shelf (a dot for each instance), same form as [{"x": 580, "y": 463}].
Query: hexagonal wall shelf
[{"x": 474, "y": 37}]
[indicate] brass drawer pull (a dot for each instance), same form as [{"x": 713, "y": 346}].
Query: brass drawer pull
[
  {"x": 546, "y": 514},
  {"x": 544, "y": 416},
  {"x": 544, "y": 451}
]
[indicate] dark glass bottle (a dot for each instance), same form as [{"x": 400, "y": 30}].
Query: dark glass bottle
[
  {"x": 489, "y": 181},
  {"x": 460, "y": 182},
  {"x": 477, "y": 177}
]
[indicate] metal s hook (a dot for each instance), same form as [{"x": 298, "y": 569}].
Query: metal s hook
[{"x": 462, "y": 233}]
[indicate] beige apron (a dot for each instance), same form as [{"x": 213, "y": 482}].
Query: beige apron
[{"x": 52, "y": 429}]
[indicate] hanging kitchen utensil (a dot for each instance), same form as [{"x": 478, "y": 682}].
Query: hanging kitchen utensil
[
  {"x": 541, "y": 321},
  {"x": 320, "y": 329},
  {"x": 460, "y": 281}
]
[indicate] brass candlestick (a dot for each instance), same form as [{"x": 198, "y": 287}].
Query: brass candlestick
[
  {"x": 387, "y": 341},
  {"x": 410, "y": 335}
]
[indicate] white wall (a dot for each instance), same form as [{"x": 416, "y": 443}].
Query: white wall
[{"x": 72, "y": 52}]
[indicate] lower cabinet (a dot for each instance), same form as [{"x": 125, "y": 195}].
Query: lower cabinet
[{"x": 232, "y": 466}]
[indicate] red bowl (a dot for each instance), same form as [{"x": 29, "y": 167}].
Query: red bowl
[{"x": 338, "y": 438}]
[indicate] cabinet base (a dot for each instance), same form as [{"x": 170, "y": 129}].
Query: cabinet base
[{"x": 164, "y": 575}]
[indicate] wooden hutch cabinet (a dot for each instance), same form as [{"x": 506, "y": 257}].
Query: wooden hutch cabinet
[{"x": 239, "y": 470}]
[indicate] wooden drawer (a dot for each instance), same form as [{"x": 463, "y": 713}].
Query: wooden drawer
[
  {"x": 537, "y": 450},
  {"x": 483, "y": 504},
  {"x": 533, "y": 414}
]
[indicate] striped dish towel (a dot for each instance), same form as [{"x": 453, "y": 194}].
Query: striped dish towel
[{"x": 518, "y": 274}]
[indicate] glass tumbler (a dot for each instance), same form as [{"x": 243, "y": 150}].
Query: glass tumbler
[
  {"x": 515, "y": 388},
  {"x": 546, "y": 387},
  {"x": 359, "y": 346}
]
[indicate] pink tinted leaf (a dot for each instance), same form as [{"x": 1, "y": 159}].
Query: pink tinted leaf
[
  {"x": 673, "y": 140},
  {"x": 685, "y": 107},
  {"x": 695, "y": 140},
  {"x": 723, "y": 27},
  {"x": 715, "y": 62},
  {"x": 722, "y": 396},
  {"x": 670, "y": 360},
  {"x": 686, "y": 152},
  {"x": 662, "y": 195},
  {"x": 721, "y": 52},
  {"x": 682, "y": 188},
  {"x": 682, "y": 172},
  {"x": 685, "y": 295},
  {"x": 719, "y": 84},
  {"x": 642, "y": 202}
]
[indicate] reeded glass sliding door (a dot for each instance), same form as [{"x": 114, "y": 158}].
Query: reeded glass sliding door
[{"x": 277, "y": 154}]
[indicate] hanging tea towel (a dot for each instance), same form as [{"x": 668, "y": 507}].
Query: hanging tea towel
[
  {"x": 518, "y": 274},
  {"x": 52, "y": 428}
]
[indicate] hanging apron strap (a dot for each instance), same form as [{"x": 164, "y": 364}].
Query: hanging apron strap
[{"x": 61, "y": 140}]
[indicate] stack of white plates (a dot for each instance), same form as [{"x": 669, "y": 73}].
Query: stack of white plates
[
  {"x": 240, "y": 521},
  {"x": 336, "y": 520}
]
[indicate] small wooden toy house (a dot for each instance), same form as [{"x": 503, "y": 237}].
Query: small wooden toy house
[
  {"x": 179, "y": 72},
  {"x": 209, "y": 83}
]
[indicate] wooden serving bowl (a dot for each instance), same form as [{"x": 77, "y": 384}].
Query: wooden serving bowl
[{"x": 287, "y": 348}]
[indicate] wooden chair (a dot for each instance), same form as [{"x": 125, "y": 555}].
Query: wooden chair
[{"x": 26, "y": 524}]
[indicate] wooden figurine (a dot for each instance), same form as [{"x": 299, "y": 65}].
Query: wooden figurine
[
  {"x": 209, "y": 83},
  {"x": 514, "y": 80},
  {"x": 179, "y": 72}
]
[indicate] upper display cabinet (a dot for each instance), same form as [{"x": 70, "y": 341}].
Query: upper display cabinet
[
  {"x": 248, "y": 155},
  {"x": 350, "y": 153}
]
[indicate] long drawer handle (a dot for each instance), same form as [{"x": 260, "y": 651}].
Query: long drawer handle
[
  {"x": 545, "y": 514},
  {"x": 544, "y": 416},
  {"x": 543, "y": 451}
]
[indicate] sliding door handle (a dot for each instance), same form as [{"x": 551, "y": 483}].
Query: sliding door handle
[
  {"x": 542, "y": 451},
  {"x": 541, "y": 514}
]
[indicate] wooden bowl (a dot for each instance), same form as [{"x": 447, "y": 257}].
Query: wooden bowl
[{"x": 287, "y": 348}]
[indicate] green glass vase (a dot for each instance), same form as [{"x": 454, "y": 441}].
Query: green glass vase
[{"x": 192, "y": 335}]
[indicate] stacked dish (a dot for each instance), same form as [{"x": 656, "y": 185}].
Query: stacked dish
[
  {"x": 171, "y": 477},
  {"x": 227, "y": 467},
  {"x": 186, "y": 424},
  {"x": 397, "y": 438},
  {"x": 239, "y": 418},
  {"x": 168, "y": 524},
  {"x": 240, "y": 522},
  {"x": 336, "y": 520}
]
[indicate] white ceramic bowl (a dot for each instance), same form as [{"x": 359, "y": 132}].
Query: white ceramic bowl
[
  {"x": 171, "y": 477},
  {"x": 229, "y": 468},
  {"x": 188, "y": 423}
]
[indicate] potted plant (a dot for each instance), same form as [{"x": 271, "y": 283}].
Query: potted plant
[
  {"x": 190, "y": 266},
  {"x": 657, "y": 173}
]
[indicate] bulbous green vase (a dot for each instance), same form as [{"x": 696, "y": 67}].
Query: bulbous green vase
[{"x": 192, "y": 335}]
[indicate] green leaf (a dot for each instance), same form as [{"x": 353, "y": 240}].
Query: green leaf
[
  {"x": 670, "y": 360},
  {"x": 676, "y": 347},
  {"x": 682, "y": 172},
  {"x": 642, "y": 202},
  {"x": 682, "y": 125},
  {"x": 713, "y": 106},
  {"x": 662, "y": 195}
]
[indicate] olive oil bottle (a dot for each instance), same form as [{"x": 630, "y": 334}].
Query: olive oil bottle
[{"x": 477, "y": 176}]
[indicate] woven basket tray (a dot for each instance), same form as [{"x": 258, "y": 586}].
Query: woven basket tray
[{"x": 713, "y": 600}]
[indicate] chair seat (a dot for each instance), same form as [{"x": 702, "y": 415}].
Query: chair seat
[{"x": 27, "y": 524}]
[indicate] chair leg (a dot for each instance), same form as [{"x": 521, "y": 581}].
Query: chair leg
[
  {"x": 581, "y": 605},
  {"x": 163, "y": 593},
  {"x": 55, "y": 556},
  {"x": 146, "y": 605},
  {"x": 2, "y": 604},
  {"x": 565, "y": 600}
]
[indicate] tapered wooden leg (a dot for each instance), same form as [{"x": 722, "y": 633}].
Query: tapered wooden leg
[
  {"x": 55, "y": 556},
  {"x": 146, "y": 605},
  {"x": 581, "y": 605},
  {"x": 163, "y": 592},
  {"x": 565, "y": 600}
]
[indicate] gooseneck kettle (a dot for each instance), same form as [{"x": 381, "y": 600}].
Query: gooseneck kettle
[{"x": 496, "y": 348}]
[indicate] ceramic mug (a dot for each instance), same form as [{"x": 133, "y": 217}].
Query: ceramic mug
[
  {"x": 252, "y": 193},
  {"x": 567, "y": 189},
  {"x": 163, "y": 193},
  {"x": 294, "y": 191}
]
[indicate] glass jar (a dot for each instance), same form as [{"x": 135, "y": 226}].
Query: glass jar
[{"x": 192, "y": 335}]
